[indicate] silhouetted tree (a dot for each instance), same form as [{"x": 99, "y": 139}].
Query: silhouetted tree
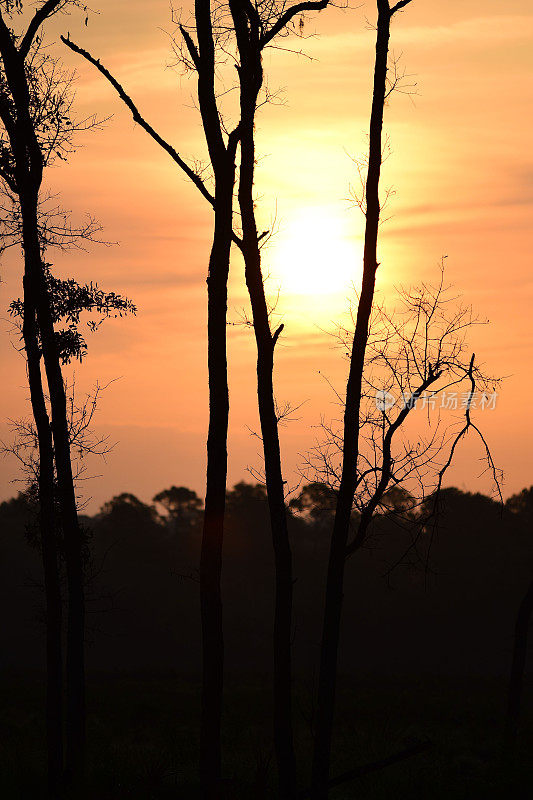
[
  {"x": 256, "y": 26},
  {"x": 182, "y": 505},
  {"x": 35, "y": 106},
  {"x": 216, "y": 29},
  {"x": 314, "y": 500},
  {"x": 334, "y": 592},
  {"x": 222, "y": 150},
  {"x": 22, "y": 169},
  {"x": 521, "y": 504},
  {"x": 243, "y": 494},
  {"x": 419, "y": 354}
]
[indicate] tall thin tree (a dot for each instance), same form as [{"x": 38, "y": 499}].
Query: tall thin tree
[
  {"x": 346, "y": 492},
  {"x": 254, "y": 31},
  {"x": 38, "y": 128},
  {"x": 222, "y": 152},
  {"x": 27, "y": 174},
  {"x": 254, "y": 27}
]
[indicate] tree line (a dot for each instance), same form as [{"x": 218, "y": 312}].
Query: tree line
[
  {"x": 440, "y": 603},
  {"x": 144, "y": 558}
]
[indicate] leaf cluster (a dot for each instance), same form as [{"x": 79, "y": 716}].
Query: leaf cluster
[{"x": 68, "y": 301}]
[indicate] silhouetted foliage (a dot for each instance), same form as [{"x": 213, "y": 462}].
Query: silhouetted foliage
[
  {"x": 522, "y": 503},
  {"x": 68, "y": 301},
  {"x": 183, "y": 506},
  {"x": 441, "y": 595},
  {"x": 314, "y": 500}
]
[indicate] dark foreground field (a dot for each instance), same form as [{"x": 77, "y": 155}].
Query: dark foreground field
[
  {"x": 426, "y": 649},
  {"x": 143, "y": 737}
]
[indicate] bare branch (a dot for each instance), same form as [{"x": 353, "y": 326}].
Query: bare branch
[
  {"x": 139, "y": 119},
  {"x": 191, "y": 47},
  {"x": 399, "y": 6},
  {"x": 288, "y": 15},
  {"x": 46, "y": 10}
]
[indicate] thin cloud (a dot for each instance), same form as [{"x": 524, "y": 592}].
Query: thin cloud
[{"x": 475, "y": 32}]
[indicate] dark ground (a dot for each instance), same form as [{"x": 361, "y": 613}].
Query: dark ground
[
  {"x": 425, "y": 650},
  {"x": 143, "y": 738}
]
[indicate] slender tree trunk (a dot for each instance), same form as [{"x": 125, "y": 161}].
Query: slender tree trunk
[
  {"x": 222, "y": 158},
  {"x": 73, "y": 539},
  {"x": 283, "y": 735},
  {"x": 28, "y": 177},
  {"x": 251, "y": 78},
  {"x": 47, "y": 527},
  {"x": 337, "y": 558},
  {"x": 518, "y": 666},
  {"x": 74, "y": 545},
  {"x": 215, "y": 500}
]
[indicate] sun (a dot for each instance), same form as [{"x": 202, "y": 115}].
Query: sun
[{"x": 316, "y": 253}]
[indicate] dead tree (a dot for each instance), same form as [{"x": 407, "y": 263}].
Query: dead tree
[
  {"x": 346, "y": 491},
  {"x": 419, "y": 391},
  {"x": 353, "y": 473},
  {"x": 256, "y": 26}
]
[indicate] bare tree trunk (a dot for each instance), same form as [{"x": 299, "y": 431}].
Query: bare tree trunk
[
  {"x": 222, "y": 158},
  {"x": 223, "y": 161},
  {"x": 47, "y": 527},
  {"x": 215, "y": 500},
  {"x": 283, "y": 735},
  {"x": 337, "y": 558},
  {"x": 251, "y": 78},
  {"x": 518, "y": 666},
  {"x": 74, "y": 545}
]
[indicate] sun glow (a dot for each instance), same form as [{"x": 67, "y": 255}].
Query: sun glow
[{"x": 317, "y": 253}]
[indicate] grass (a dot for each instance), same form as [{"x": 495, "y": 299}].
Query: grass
[{"x": 143, "y": 738}]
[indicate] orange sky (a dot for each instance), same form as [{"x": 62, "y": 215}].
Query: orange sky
[{"x": 462, "y": 169}]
